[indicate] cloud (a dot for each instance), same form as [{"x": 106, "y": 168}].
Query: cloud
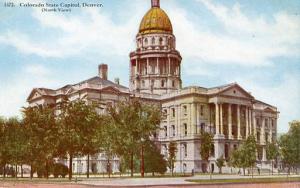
[
  {"x": 14, "y": 93},
  {"x": 284, "y": 95},
  {"x": 90, "y": 31},
  {"x": 245, "y": 41}
]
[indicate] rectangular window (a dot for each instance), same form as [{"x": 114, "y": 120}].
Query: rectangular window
[
  {"x": 185, "y": 129},
  {"x": 173, "y": 112},
  {"x": 165, "y": 131},
  {"x": 201, "y": 110},
  {"x": 185, "y": 110},
  {"x": 173, "y": 130},
  {"x": 185, "y": 150}
]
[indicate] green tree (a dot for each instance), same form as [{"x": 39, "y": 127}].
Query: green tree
[
  {"x": 272, "y": 153},
  {"x": 42, "y": 131},
  {"x": 4, "y": 158},
  {"x": 90, "y": 141},
  {"x": 220, "y": 163},
  {"x": 206, "y": 146},
  {"x": 172, "y": 150},
  {"x": 73, "y": 122},
  {"x": 289, "y": 146},
  {"x": 154, "y": 160},
  {"x": 245, "y": 156},
  {"x": 134, "y": 123}
]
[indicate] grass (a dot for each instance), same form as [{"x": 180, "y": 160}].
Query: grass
[{"x": 244, "y": 180}]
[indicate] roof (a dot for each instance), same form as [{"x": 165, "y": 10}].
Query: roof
[
  {"x": 155, "y": 21},
  {"x": 93, "y": 83}
]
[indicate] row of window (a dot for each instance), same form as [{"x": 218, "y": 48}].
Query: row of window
[
  {"x": 183, "y": 149},
  {"x": 162, "y": 83},
  {"x": 173, "y": 130},
  {"x": 184, "y": 110},
  {"x": 266, "y": 124},
  {"x": 154, "y": 41}
]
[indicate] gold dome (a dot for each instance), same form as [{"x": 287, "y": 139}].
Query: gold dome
[{"x": 155, "y": 21}]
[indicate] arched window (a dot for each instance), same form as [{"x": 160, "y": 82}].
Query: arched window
[
  {"x": 153, "y": 40},
  {"x": 160, "y": 41},
  {"x": 185, "y": 129},
  {"x": 173, "y": 83},
  {"x": 143, "y": 83},
  {"x": 146, "y": 41},
  {"x": 162, "y": 83}
]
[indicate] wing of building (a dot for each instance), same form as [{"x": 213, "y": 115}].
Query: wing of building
[{"x": 229, "y": 111}]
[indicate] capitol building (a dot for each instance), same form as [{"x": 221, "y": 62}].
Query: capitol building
[{"x": 229, "y": 112}]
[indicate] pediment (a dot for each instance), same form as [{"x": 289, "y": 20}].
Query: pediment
[
  {"x": 35, "y": 93},
  {"x": 70, "y": 90},
  {"x": 111, "y": 89},
  {"x": 268, "y": 109},
  {"x": 236, "y": 91}
]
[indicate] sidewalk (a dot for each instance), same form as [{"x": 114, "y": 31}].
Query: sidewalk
[{"x": 164, "y": 181}]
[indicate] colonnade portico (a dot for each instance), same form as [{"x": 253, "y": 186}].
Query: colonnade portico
[{"x": 221, "y": 121}]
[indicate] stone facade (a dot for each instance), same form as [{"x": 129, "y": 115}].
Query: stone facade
[{"x": 229, "y": 112}]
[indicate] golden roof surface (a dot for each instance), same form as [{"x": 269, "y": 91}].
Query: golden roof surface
[{"x": 155, "y": 21}]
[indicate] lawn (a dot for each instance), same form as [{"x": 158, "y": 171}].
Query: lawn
[{"x": 248, "y": 180}]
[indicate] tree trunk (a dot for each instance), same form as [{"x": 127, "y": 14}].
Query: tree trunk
[
  {"x": 4, "y": 173},
  {"x": 108, "y": 167},
  {"x": 47, "y": 170},
  {"x": 142, "y": 163},
  {"x": 131, "y": 164},
  {"x": 272, "y": 167},
  {"x": 31, "y": 171},
  {"x": 21, "y": 171},
  {"x": 16, "y": 167},
  {"x": 70, "y": 167},
  {"x": 88, "y": 166},
  {"x": 244, "y": 171}
]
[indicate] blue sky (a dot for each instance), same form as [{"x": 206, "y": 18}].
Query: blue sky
[{"x": 255, "y": 43}]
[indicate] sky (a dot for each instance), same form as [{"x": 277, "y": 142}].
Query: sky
[{"x": 254, "y": 43}]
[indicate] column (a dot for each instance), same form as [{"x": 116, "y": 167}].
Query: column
[
  {"x": 229, "y": 122},
  {"x": 264, "y": 155},
  {"x": 247, "y": 123},
  {"x": 254, "y": 125},
  {"x": 221, "y": 119},
  {"x": 262, "y": 131},
  {"x": 178, "y": 122},
  {"x": 147, "y": 69},
  {"x": 193, "y": 119},
  {"x": 250, "y": 122},
  {"x": 197, "y": 118},
  {"x": 169, "y": 66},
  {"x": 217, "y": 119},
  {"x": 271, "y": 130},
  {"x": 239, "y": 137},
  {"x": 157, "y": 66}
]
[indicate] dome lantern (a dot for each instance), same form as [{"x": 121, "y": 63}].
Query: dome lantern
[{"x": 155, "y": 3}]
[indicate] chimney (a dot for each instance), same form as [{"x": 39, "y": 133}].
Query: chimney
[
  {"x": 155, "y": 3},
  {"x": 102, "y": 68},
  {"x": 117, "y": 81}
]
